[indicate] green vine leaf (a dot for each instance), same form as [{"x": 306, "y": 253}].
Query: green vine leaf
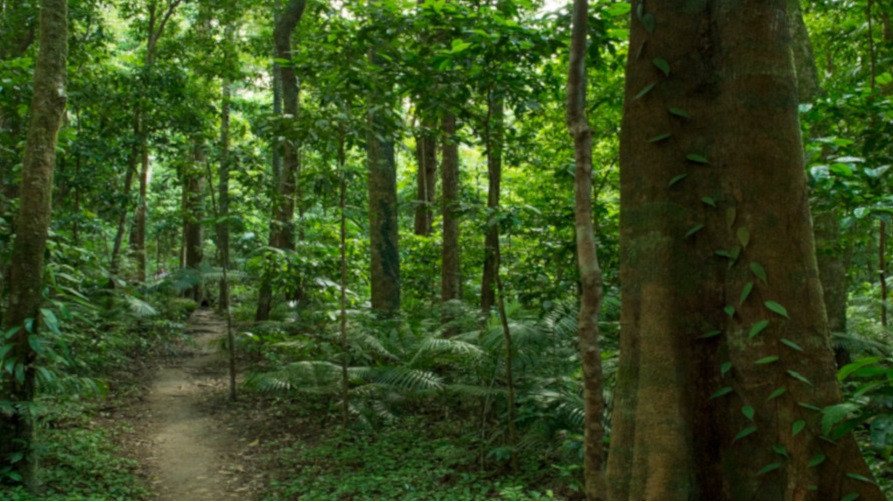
[
  {"x": 791, "y": 344},
  {"x": 721, "y": 392},
  {"x": 859, "y": 477},
  {"x": 757, "y": 328},
  {"x": 769, "y": 468},
  {"x": 777, "y": 308},
  {"x": 850, "y": 496},
  {"x": 700, "y": 159},
  {"x": 743, "y": 236},
  {"x": 640, "y": 10},
  {"x": 781, "y": 450},
  {"x": 659, "y": 137},
  {"x": 663, "y": 65},
  {"x": 745, "y": 292},
  {"x": 748, "y": 412},
  {"x": 800, "y": 377},
  {"x": 809, "y": 407},
  {"x": 677, "y": 179},
  {"x": 731, "y": 214},
  {"x": 679, "y": 112},
  {"x": 734, "y": 253},
  {"x": 797, "y": 427},
  {"x": 695, "y": 229},
  {"x": 816, "y": 460},
  {"x": 648, "y": 22},
  {"x": 758, "y": 271},
  {"x": 645, "y": 90},
  {"x": 747, "y": 431},
  {"x": 711, "y": 334},
  {"x": 725, "y": 368},
  {"x": 766, "y": 360},
  {"x": 729, "y": 310},
  {"x": 776, "y": 393},
  {"x": 709, "y": 201}
]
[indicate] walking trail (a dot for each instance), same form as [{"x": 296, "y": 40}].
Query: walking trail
[{"x": 188, "y": 448}]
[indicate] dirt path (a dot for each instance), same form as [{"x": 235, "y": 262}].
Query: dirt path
[{"x": 188, "y": 447}]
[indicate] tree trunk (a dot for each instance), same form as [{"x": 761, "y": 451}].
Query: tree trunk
[
  {"x": 712, "y": 402},
  {"x": 591, "y": 290},
  {"x": 115, "y": 261},
  {"x": 193, "y": 213},
  {"x": 450, "y": 273},
  {"x": 382, "y": 183},
  {"x": 222, "y": 226},
  {"x": 25, "y": 295},
  {"x": 494, "y": 138},
  {"x": 426, "y": 177},
  {"x": 285, "y": 166}
]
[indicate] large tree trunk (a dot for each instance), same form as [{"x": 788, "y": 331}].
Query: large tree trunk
[
  {"x": 494, "y": 138},
  {"x": 285, "y": 167},
  {"x": 426, "y": 177},
  {"x": 193, "y": 213},
  {"x": 25, "y": 296},
  {"x": 711, "y": 402},
  {"x": 591, "y": 290},
  {"x": 450, "y": 274},
  {"x": 382, "y": 183}
]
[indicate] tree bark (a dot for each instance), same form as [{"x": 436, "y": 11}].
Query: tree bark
[
  {"x": 426, "y": 178},
  {"x": 591, "y": 289},
  {"x": 222, "y": 226},
  {"x": 450, "y": 275},
  {"x": 711, "y": 403},
  {"x": 26, "y": 281},
  {"x": 382, "y": 185},
  {"x": 493, "y": 130},
  {"x": 193, "y": 214},
  {"x": 285, "y": 102}
]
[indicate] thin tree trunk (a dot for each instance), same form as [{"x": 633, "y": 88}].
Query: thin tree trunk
[
  {"x": 450, "y": 275},
  {"x": 493, "y": 130},
  {"x": 193, "y": 214},
  {"x": 509, "y": 378},
  {"x": 222, "y": 226},
  {"x": 426, "y": 177},
  {"x": 32, "y": 229},
  {"x": 725, "y": 351},
  {"x": 342, "y": 205},
  {"x": 591, "y": 290}
]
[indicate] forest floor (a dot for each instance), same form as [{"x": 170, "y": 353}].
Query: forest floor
[{"x": 189, "y": 444}]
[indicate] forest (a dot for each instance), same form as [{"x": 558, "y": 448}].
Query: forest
[{"x": 446, "y": 249}]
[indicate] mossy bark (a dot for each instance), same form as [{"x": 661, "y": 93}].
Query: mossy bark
[
  {"x": 493, "y": 130},
  {"x": 718, "y": 250},
  {"x": 32, "y": 229},
  {"x": 426, "y": 177},
  {"x": 450, "y": 272}
]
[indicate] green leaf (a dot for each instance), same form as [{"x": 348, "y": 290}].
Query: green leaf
[
  {"x": 693, "y": 230},
  {"x": 747, "y": 431},
  {"x": 723, "y": 253},
  {"x": 49, "y": 320},
  {"x": 777, "y": 308},
  {"x": 459, "y": 45},
  {"x": 816, "y": 460},
  {"x": 694, "y": 157},
  {"x": 745, "y": 292},
  {"x": 769, "y": 468},
  {"x": 648, "y": 22},
  {"x": 618, "y": 9},
  {"x": 743, "y": 236},
  {"x": 663, "y": 65},
  {"x": 797, "y": 427},
  {"x": 850, "y": 496},
  {"x": 834, "y": 414},
  {"x": 791, "y": 344},
  {"x": 711, "y": 334},
  {"x": 645, "y": 90},
  {"x": 800, "y": 377},
  {"x": 781, "y": 450},
  {"x": 809, "y": 407},
  {"x": 725, "y": 368},
  {"x": 731, "y": 214},
  {"x": 679, "y": 112},
  {"x": 721, "y": 392},
  {"x": 859, "y": 477},
  {"x": 709, "y": 201},
  {"x": 757, "y": 328},
  {"x": 758, "y": 271},
  {"x": 776, "y": 393},
  {"x": 884, "y": 78},
  {"x": 659, "y": 137},
  {"x": 677, "y": 179},
  {"x": 729, "y": 310},
  {"x": 748, "y": 412},
  {"x": 766, "y": 360}
]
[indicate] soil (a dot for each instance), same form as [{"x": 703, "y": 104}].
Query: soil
[{"x": 182, "y": 434}]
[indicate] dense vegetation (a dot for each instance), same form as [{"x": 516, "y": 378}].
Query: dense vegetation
[{"x": 380, "y": 196}]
